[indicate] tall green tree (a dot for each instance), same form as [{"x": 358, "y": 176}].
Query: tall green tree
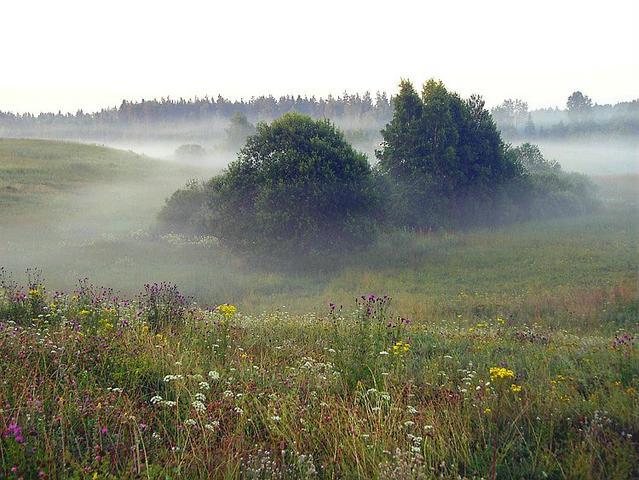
[{"x": 440, "y": 153}]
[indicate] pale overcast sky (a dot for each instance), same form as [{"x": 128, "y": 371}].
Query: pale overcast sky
[{"x": 68, "y": 54}]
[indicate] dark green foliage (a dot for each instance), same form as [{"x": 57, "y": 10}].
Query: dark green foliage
[
  {"x": 443, "y": 154},
  {"x": 297, "y": 189},
  {"x": 557, "y": 193},
  {"x": 184, "y": 210},
  {"x": 533, "y": 161},
  {"x": 545, "y": 190}
]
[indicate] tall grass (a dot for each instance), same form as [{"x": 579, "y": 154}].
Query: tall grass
[{"x": 95, "y": 386}]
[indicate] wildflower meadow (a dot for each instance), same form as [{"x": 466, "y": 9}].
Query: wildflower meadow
[{"x": 156, "y": 386}]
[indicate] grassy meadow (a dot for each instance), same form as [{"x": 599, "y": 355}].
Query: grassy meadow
[{"x": 495, "y": 353}]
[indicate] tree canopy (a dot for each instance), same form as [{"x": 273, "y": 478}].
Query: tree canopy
[
  {"x": 296, "y": 188},
  {"x": 441, "y": 150}
]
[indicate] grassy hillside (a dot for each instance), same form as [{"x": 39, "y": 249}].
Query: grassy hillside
[
  {"x": 35, "y": 171},
  {"x": 55, "y": 192}
]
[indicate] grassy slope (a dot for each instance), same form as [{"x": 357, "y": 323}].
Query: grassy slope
[
  {"x": 33, "y": 171},
  {"x": 42, "y": 181}
]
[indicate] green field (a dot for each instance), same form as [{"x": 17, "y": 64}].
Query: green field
[{"x": 554, "y": 304}]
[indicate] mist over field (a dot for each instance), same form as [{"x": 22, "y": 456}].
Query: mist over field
[{"x": 269, "y": 240}]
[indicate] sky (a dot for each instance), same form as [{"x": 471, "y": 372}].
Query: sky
[{"x": 68, "y": 55}]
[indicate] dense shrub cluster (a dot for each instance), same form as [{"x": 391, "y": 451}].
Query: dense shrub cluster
[
  {"x": 445, "y": 165},
  {"x": 298, "y": 188}
]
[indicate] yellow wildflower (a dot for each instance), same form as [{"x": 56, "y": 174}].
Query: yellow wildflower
[
  {"x": 105, "y": 324},
  {"x": 500, "y": 373},
  {"x": 400, "y": 348},
  {"x": 227, "y": 310},
  {"x": 515, "y": 388}
]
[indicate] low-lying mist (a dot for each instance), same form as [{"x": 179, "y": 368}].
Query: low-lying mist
[
  {"x": 107, "y": 232},
  {"x": 600, "y": 155}
]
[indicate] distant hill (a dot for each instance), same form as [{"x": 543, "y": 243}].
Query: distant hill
[{"x": 35, "y": 172}]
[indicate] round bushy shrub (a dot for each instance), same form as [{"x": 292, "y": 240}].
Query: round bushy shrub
[{"x": 296, "y": 188}]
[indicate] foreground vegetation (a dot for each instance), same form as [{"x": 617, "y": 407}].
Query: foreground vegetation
[{"x": 95, "y": 386}]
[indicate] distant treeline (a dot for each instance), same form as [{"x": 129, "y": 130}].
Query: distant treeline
[
  {"x": 361, "y": 116},
  {"x": 203, "y": 116},
  {"x": 580, "y": 117}
]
